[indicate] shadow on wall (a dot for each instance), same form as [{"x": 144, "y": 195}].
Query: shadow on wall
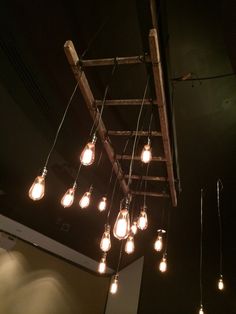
[{"x": 25, "y": 292}]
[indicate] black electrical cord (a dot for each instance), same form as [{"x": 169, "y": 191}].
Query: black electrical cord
[
  {"x": 220, "y": 225},
  {"x": 201, "y": 249},
  {"x": 204, "y": 78}
]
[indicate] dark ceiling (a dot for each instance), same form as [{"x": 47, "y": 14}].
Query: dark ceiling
[{"x": 36, "y": 81}]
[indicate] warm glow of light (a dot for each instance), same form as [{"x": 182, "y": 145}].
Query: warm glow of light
[
  {"x": 129, "y": 245},
  {"x": 102, "y": 265},
  {"x": 158, "y": 244},
  {"x": 37, "y": 189},
  {"x": 114, "y": 285},
  {"x": 221, "y": 284},
  {"x": 201, "y": 310},
  {"x": 146, "y": 155},
  {"x": 122, "y": 225},
  {"x": 134, "y": 228},
  {"x": 163, "y": 265},
  {"x": 87, "y": 156},
  {"x": 85, "y": 200},
  {"x": 105, "y": 243},
  {"x": 143, "y": 220},
  {"x": 68, "y": 198},
  {"x": 102, "y": 204}
]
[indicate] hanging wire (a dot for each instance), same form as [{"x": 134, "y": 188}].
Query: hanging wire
[
  {"x": 120, "y": 256},
  {"x": 201, "y": 244},
  {"x": 136, "y": 134},
  {"x": 99, "y": 114},
  {"x": 145, "y": 186},
  {"x": 212, "y": 77},
  {"x": 219, "y": 182},
  {"x": 60, "y": 125},
  {"x": 167, "y": 232}
]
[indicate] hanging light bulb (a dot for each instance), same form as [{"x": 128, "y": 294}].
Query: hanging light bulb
[
  {"x": 134, "y": 228},
  {"x": 102, "y": 265},
  {"x": 146, "y": 155},
  {"x": 163, "y": 265},
  {"x": 105, "y": 243},
  {"x": 114, "y": 284},
  {"x": 143, "y": 220},
  {"x": 158, "y": 245},
  {"x": 201, "y": 310},
  {"x": 88, "y": 154},
  {"x": 221, "y": 283},
  {"x": 102, "y": 204},
  {"x": 85, "y": 200},
  {"x": 68, "y": 198},
  {"x": 37, "y": 189},
  {"x": 129, "y": 245},
  {"x": 122, "y": 225}
]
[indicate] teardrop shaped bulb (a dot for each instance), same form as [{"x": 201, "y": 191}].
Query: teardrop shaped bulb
[
  {"x": 102, "y": 204},
  {"x": 87, "y": 156},
  {"x": 122, "y": 225},
  {"x": 143, "y": 219},
  {"x": 85, "y": 200},
  {"x": 146, "y": 155},
  {"x": 163, "y": 265},
  {"x": 102, "y": 265},
  {"x": 68, "y": 198},
  {"x": 114, "y": 285},
  {"x": 105, "y": 243},
  {"x": 129, "y": 245},
  {"x": 221, "y": 284},
  {"x": 134, "y": 228},
  {"x": 37, "y": 189},
  {"x": 158, "y": 244}
]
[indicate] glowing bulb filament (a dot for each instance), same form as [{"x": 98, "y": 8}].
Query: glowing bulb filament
[
  {"x": 105, "y": 243},
  {"x": 102, "y": 265},
  {"x": 220, "y": 284},
  {"x": 114, "y": 285},
  {"x": 158, "y": 244},
  {"x": 129, "y": 246},
  {"x": 102, "y": 204},
  {"x": 37, "y": 189},
  {"x": 85, "y": 200},
  {"x": 134, "y": 228},
  {"x": 122, "y": 225},
  {"x": 143, "y": 220},
  {"x": 201, "y": 310},
  {"x": 146, "y": 155},
  {"x": 68, "y": 198},
  {"x": 87, "y": 156},
  {"x": 163, "y": 265}
]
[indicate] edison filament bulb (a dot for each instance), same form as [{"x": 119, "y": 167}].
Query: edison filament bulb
[
  {"x": 102, "y": 264},
  {"x": 129, "y": 245},
  {"x": 114, "y": 285},
  {"x": 37, "y": 189},
  {"x": 201, "y": 310},
  {"x": 158, "y": 245},
  {"x": 68, "y": 198},
  {"x": 134, "y": 228},
  {"x": 163, "y": 265},
  {"x": 102, "y": 204},
  {"x": 87, "y": 156},
  {"x": 122, "y": 225},
  {"x": 105, "y": 243},
  {"x": 146, "y": 155},
  {"x": 220, "y": 283},
  {"x": 85, "y": 200},
  {"x": 143, "y": 220}
]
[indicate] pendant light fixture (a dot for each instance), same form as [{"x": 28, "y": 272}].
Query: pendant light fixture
[
  {"x": 158, "y": 245},
  {"x": 105, "y": 243},
  {"x": 220, "y": 283},
  {"x": 85, "y": 200},
  {"x": 102, "y": 265},
  {"x": 134, "y": 227},
  {"x": 146, "y": 155},
  {"x": 102, "y": 205},
  {"x": 143, "y": 219},
  {"x": 114, "y": 284},
  {"x": 163, "y": 264},
  {"x": 87, "y": 156},
  {"x": 122, "y": 225},
  {"x": 37, "y": 189},
  {"x": 129, "y": 245}
]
